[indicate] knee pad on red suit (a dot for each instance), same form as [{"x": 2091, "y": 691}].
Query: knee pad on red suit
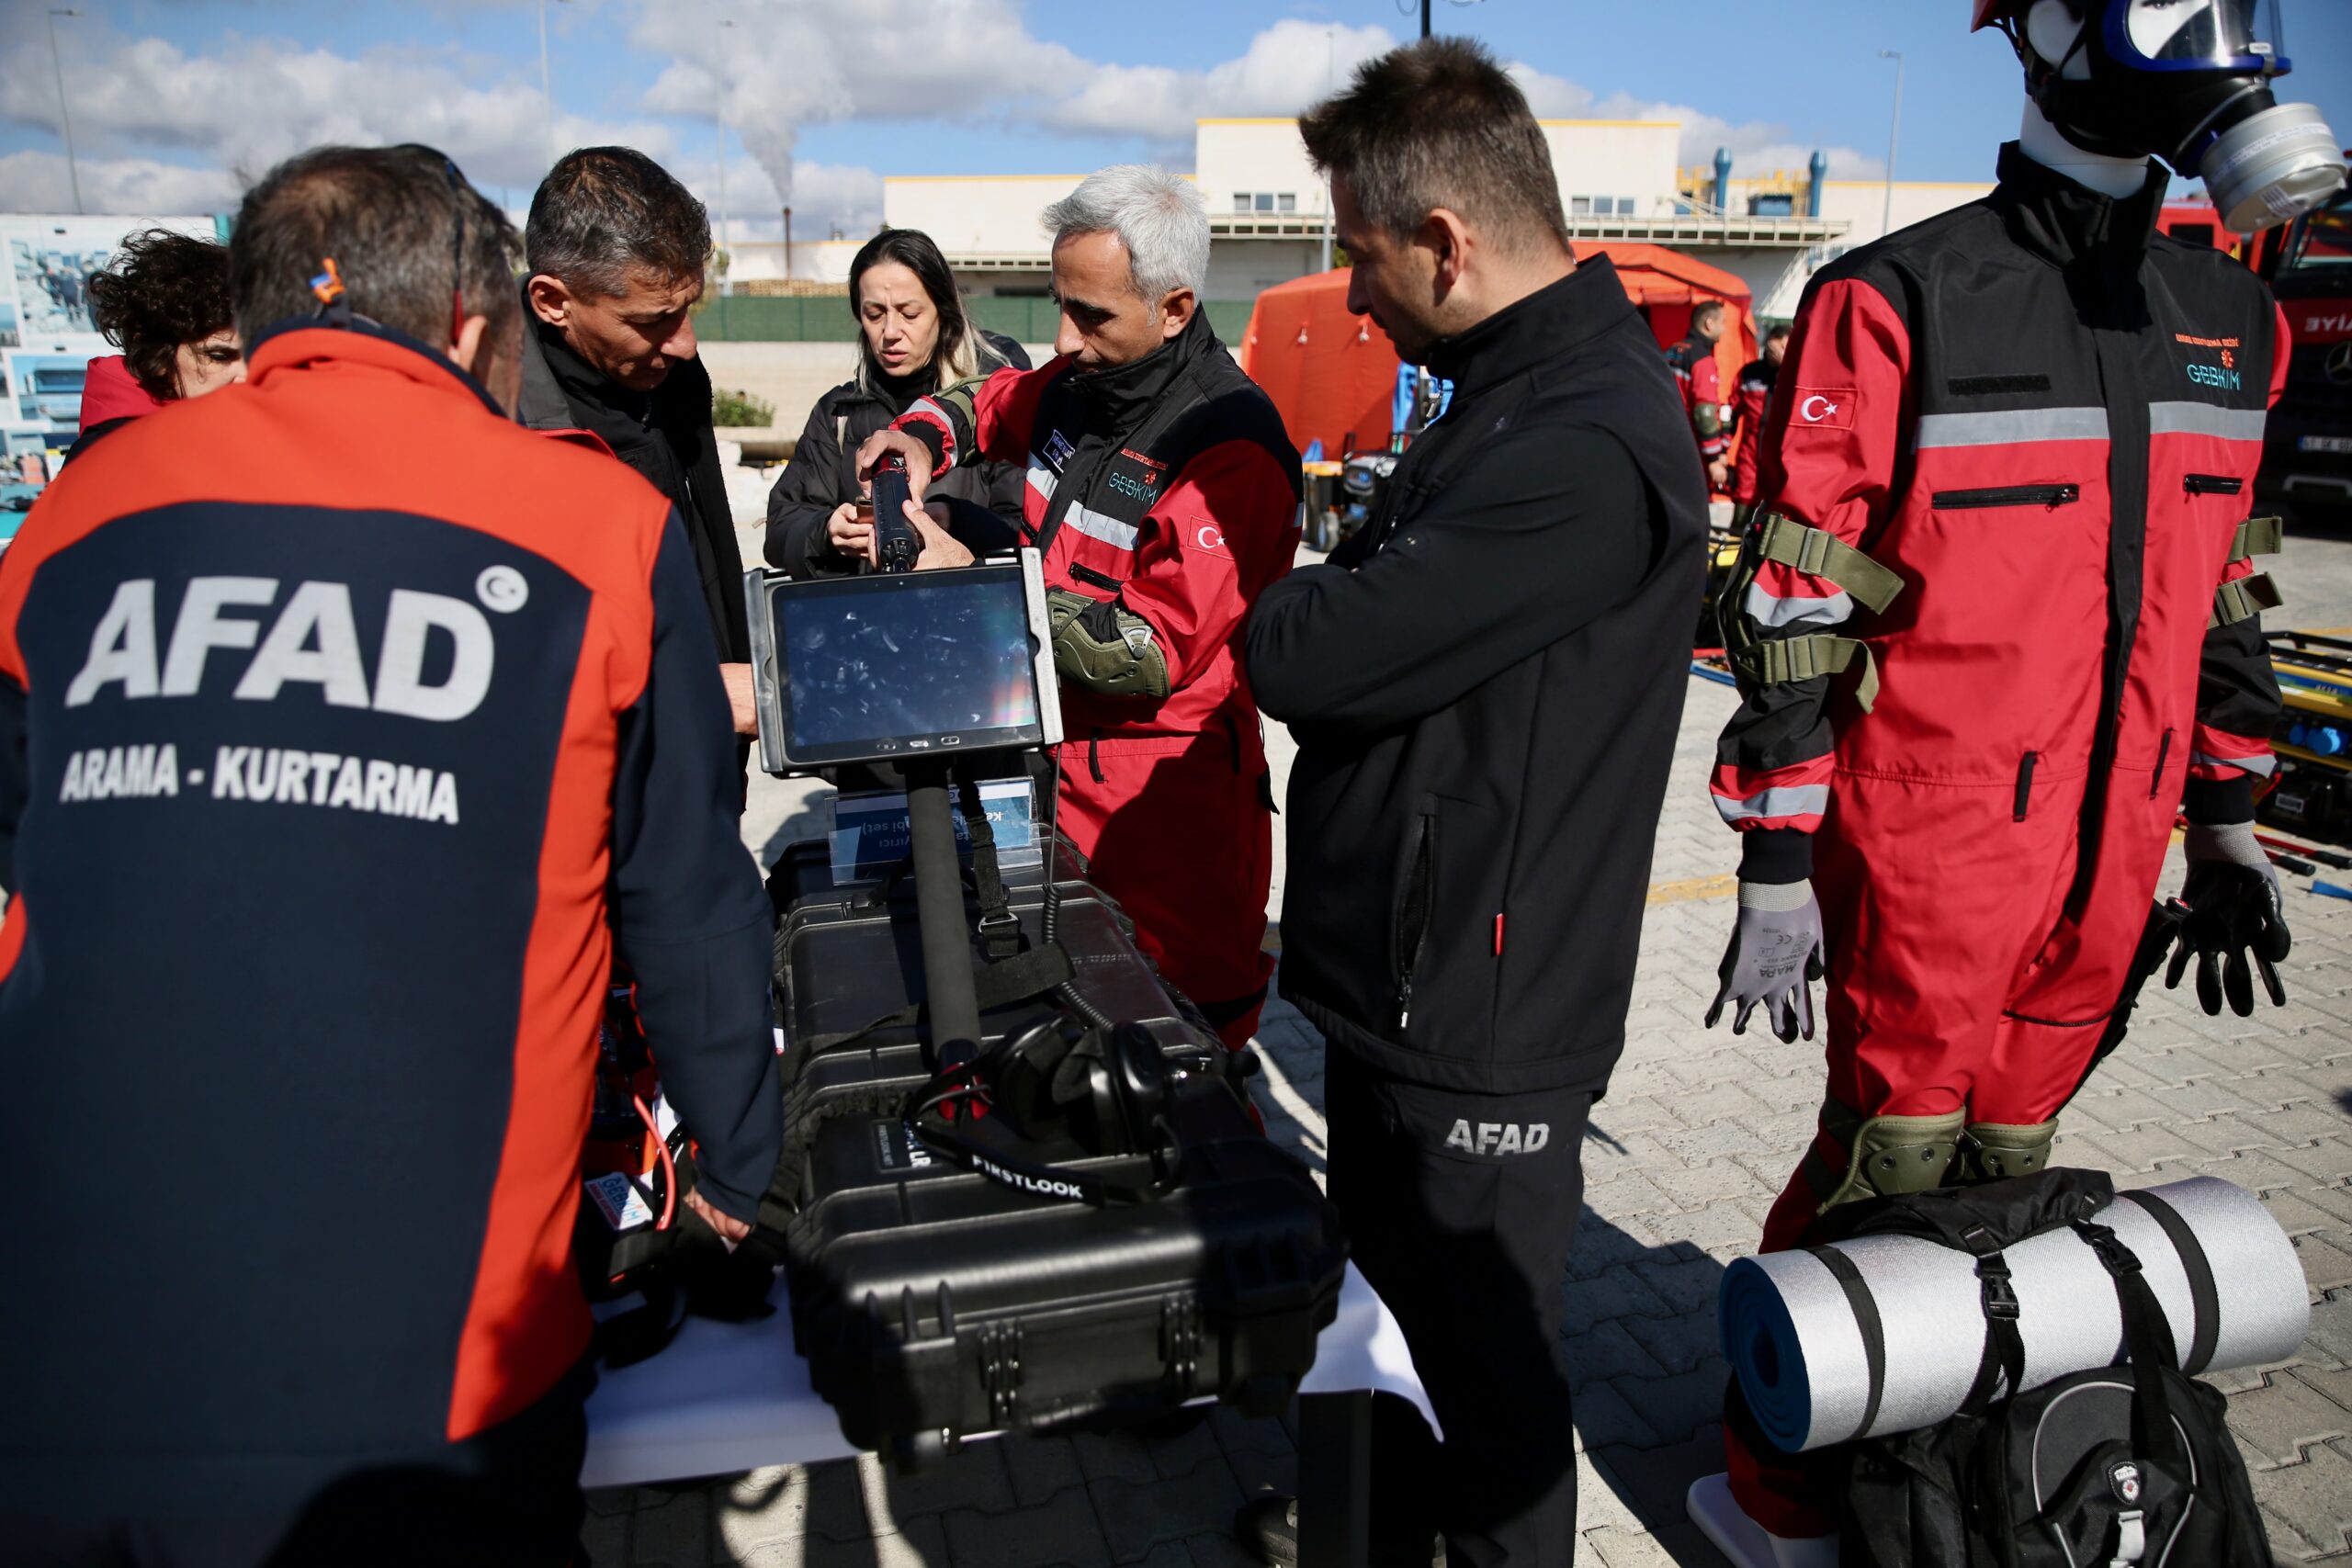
[
  {"x": 1990, "y": 1151},
  {"x": 1853, "y": 1157},
  {"x": 1886, "y": 1155}
]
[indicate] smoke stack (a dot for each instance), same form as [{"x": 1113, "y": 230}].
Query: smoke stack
[
  {"x": 1817, "y": 170},
  {"x": 787, "y": 243}
]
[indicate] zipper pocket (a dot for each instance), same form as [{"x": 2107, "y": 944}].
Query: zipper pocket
[
  {"x": 2006, "y": 495},
  {"x": 2024, "y": 784},
  {"x": 2164, "y": 751},
  {"x": 1413, "y": 915},
  {"x": 2211, "y": 484}
]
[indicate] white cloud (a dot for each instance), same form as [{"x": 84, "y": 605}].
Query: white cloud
[
  {"x": 1553, "y": 97},
  {"x": 1757, "y": 147},
  {"x": 1286, "y": 68},
  {"x": 37, "y": 182},
  {"x": 836, "y": 196},
  {"x": 253, "y": 102},
  {"x": 161, "y": 126},
  {"x": 825, "y": 197},
  {"x": 787, "y": 64}
]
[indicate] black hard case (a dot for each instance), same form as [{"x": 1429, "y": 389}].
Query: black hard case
[{"x": 934, "y": 1305}]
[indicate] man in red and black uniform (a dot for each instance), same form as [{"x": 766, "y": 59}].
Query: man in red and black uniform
[
  {"x": 1164, "y": 497},
  {"x": 1994, "y": 625},
  {"x": 330, "y": 780},
  {"x": 1751, "y": 396},
  {"x": 1700, "y": 381}
]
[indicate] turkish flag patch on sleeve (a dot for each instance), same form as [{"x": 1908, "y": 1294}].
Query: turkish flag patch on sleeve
[
  {"x": 1831, "y": 408},
  {"x": 1199, "y": 534}
]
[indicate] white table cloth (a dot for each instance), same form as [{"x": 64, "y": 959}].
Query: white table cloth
[{"x": 723, "y": 1397}]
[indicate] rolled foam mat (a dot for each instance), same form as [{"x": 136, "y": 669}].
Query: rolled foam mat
[{"x": 1885, "y": 1335}]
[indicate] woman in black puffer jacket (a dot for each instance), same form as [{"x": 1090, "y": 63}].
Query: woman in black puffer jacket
[{"x": 913, "y": 338}]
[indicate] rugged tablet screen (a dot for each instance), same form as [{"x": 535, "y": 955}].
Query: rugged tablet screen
[{"x": 884, "y": 667}]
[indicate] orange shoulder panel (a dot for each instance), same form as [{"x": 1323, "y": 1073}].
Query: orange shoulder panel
[{"x": 359, "y": 423}]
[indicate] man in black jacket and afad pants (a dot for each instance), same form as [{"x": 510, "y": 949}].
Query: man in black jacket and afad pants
[{"x": 1484, "y": 685}]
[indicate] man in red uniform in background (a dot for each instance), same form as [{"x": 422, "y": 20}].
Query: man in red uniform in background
[
  {"x": 1996, "y": 626},
  {"x": 1163, "y": 496},
  {"x": 1751, "y": 396},
  {"x": 1701, "y": 382}
]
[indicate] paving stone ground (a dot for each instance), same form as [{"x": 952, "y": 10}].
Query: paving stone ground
[{"x": 1693, "y": 1140}]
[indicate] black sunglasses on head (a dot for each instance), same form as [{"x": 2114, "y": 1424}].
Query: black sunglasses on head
[{"x": 457, "y": 189}]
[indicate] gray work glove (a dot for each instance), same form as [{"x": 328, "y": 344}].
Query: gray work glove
[
  {"x": 2233, "y": 909},
  {"x": 1775, "y": 950}
]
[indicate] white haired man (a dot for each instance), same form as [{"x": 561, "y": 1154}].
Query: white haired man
[{"x": 1163, "y": 495}]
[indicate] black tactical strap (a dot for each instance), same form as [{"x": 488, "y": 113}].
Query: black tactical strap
[
  {"x": 1016, "y": 979},
  {"x": 999, "y": 928},
  {"x": 2202, "y": 1296},
  {"x": 1865, "y": 1307},
  {"x": 1064, "y": 1183},
  {"x": 955, "y": 1101},
  {"x": 1158, "y": 437},
  {"x": 2148, "y": 1341},
  {"x": 2001, "y": 1369}
]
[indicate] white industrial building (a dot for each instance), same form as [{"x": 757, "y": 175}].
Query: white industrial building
[{"x": 1269, "y": 211}]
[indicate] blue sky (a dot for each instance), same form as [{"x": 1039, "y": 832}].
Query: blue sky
[{"x": 175, "y": 99}]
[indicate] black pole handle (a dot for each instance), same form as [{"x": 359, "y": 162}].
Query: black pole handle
[{"x": 953, "y": 999}]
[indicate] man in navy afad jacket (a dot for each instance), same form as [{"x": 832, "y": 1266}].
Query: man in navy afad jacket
[
  {"x": 1484, "y": 684},
  {"x": 345, "y": 729}
]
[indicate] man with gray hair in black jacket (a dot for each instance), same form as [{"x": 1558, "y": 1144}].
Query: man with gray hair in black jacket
[{"x": 1484, "y": 685}]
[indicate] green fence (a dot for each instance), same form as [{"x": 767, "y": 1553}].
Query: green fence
[{"x": 743, "y": 318}]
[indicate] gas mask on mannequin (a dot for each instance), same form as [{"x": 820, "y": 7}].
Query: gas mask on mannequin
[{"x": 2185, "y": 81}]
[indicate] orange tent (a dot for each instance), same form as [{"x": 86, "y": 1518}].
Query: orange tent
[{"x": 1332, "y": 374}]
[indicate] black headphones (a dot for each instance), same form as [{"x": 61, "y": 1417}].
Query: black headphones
[{"x": 1057, "y": 1084}]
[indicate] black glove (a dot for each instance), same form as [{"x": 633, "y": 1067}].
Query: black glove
[
  {"x": 2233, "y": 909},
  {"x": 1775, "y": 950}
]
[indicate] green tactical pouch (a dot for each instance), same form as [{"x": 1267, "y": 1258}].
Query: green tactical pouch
[{"x": 1104, "y": 649}]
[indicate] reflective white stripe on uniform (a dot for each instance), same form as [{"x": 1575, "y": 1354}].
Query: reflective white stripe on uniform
[
  {"x": 1041, "y": 478},
  {"x": 1796, "y": 800},
  {"x": 2261, "y": 767},
  {"x": 946, "y": 426},
  {"x": 1772, "y": 610},
  {"x": 2005, "y": 428},
  {"x": 2205, "y": 419},
  {"x": 1095, "y": 525}
]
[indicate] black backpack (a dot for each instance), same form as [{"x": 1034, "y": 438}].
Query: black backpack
[{"x": 2130, "y": 1465}]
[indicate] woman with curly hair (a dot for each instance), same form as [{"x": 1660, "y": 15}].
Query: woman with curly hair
[{"x": 162, "y": 299}]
